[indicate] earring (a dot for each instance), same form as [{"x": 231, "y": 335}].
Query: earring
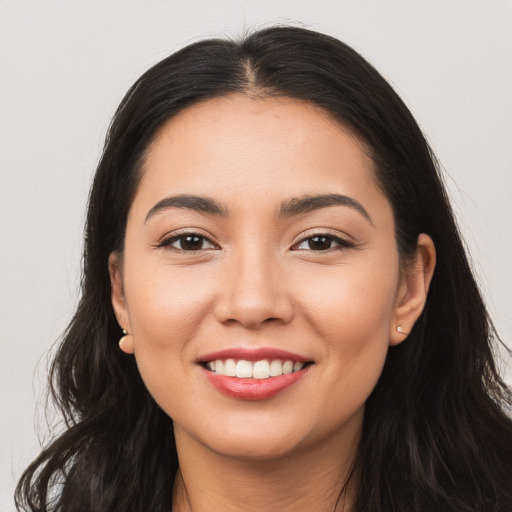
[
  {"x": 123, "y": 340},
  {"x": 400, "y": 329}
]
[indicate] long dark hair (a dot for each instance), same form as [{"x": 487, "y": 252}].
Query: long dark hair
[{"x": 435, "y": 434}]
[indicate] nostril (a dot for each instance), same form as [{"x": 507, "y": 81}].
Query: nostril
[
  {"x": 252, "y": 323},
  {"x": 253, "y": 307}
]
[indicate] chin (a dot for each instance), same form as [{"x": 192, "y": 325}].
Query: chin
[
  {"x": 251, "y": 440},
  {"x": 253, "y": 448}
]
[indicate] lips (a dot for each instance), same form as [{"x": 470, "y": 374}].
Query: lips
[{"x": 253, "y": 374}]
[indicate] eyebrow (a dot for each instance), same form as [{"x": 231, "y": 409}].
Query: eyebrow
[
  {"x": 295, "y": 206},
  {"x": 191, "y": 202}
]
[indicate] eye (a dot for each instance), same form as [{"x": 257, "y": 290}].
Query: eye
[
  {"x": 322, "y": 242},
  {"x": 188, "y": 242}
]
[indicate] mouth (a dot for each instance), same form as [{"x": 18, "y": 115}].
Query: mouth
[
  {"x": 260, "y": 369},
  {"x": 254, "y": 374}
]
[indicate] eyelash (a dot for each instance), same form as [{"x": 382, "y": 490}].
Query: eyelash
[
  {"x": 342, "y": 243},
  {"x": 167, "y": 242}
]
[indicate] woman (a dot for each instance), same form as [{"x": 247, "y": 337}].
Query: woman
[{"x": 300, "y": 328}]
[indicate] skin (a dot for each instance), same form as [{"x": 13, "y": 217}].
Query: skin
[{"x": 260, "y": 283}]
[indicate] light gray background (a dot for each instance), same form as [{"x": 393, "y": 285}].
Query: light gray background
[{"x": 64, "y": 66}]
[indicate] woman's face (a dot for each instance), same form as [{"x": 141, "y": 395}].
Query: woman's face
[{"x": 258, "y": 241}]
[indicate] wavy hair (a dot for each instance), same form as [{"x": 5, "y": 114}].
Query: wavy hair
[{"x": 435, "y": 436}]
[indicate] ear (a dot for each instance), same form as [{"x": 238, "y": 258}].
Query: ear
[
  {"x": 115, "y": 269},
  {"x": 413, "y": 290}
]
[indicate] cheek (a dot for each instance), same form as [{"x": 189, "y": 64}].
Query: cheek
[
  {"x": 167, "y": 307},
  {"x": 351, "y": 313},
  {"x": 165, "y": 304},
  {"x": 354, "y": 302}
]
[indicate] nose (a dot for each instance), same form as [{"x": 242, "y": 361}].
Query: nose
[{"x": 254, "y": 292}]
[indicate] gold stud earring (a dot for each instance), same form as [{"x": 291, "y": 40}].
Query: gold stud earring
[{"x": 400, "y": 329}]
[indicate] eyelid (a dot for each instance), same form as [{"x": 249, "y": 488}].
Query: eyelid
[
  {"x": 345, "y": 241},
  {"x": 166, "y": 240}
]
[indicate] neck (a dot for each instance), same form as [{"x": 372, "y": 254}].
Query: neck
[{"x": 310, "y": 480}]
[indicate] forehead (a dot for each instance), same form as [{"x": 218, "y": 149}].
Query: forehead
[{"x": 240, "y": 149}]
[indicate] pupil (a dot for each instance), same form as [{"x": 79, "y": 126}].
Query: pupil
[
  {"x": 319, "y": 243},
  {"x": 191, "y": 243}
]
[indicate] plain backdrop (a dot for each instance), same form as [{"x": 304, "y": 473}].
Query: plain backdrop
[{"x": 65, "y": 65}]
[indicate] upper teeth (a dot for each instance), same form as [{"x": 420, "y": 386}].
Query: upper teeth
[{"x": 253, "y": 369}]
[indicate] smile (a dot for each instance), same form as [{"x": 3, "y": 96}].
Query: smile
[
  {"x": 263, "y": 369},
  {"x": 254, "y": 374}
]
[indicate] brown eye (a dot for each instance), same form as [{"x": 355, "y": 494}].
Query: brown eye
[
  {"x": 188, "y": 242},
  {"x": 322, "y": 242},
  {"x": 319, "y": 243}
]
